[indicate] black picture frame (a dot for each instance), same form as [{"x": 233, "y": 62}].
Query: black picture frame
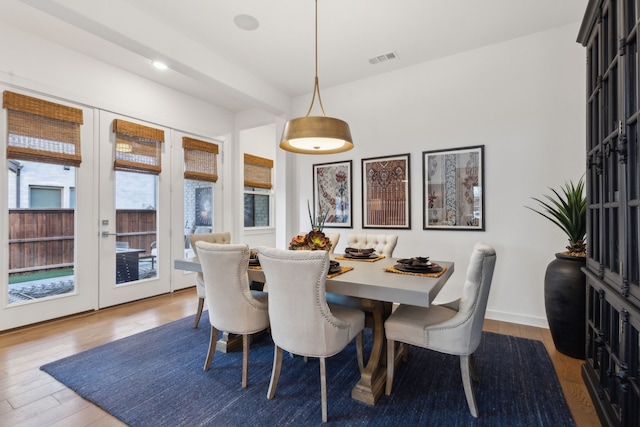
[
  {"x": 386, "y": 192},
  {"x": 453, "y": 189},
  {"x": 332, "y": 193}
]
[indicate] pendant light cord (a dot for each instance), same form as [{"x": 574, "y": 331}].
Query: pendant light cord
[{"x": 316, "y": 86}]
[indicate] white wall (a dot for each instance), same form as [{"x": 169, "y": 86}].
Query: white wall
[
  {"x": 524, "y": 100},
  {"x": 33, "y": 63},
  {"x": 257, "y": 141}
]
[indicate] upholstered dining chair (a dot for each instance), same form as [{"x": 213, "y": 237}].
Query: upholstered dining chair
[
  {"x": 334, "y": 237},
  {"x": 383, "y": 244},
  {"x": 220, "y": 238},
  {"x": 454, "y": 328},
  {"x": 233, "y": 307},
  {"x": 301, "y": 321}
]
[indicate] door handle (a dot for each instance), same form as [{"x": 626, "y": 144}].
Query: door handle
[{"x": 107, "y": 234}]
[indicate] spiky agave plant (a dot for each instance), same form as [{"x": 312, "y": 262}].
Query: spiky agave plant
[
  {"x": 317, "y": 224},
  {"x": 569, "y": 212}
]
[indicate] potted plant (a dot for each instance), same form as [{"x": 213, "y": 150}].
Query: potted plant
[
  {"x": 564, "y": 282},
  {"x": 315, "y": 239}
]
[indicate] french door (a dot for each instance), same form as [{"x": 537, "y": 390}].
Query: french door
[
  {"x": 80, "y": 238},
  {"x": 197, "y": 205},
  {"x": 49, "y": 251},
  {"x": 134, "y": 213}
]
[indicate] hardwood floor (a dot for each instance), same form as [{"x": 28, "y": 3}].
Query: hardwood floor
[{"x": 29, "y": 397}]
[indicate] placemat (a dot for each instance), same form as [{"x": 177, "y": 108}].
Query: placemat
[
  {"x": 343, "y": 269},
  {"x": 343, "y": 258},
  {"x": 395, "y": 270}
]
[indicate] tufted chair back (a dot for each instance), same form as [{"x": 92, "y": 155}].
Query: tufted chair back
[
  {"x": 302, "y": 322},
  {"x": 334, "y": 237},
  {"x": 461, "y": 333},
  {"x": 233, "y": 306},
  {"x": 220, "y": 238},
  {"x": 383, "y": 244},
  {"x": 453, "y": 328},
  {"x": 223, "y": 238}
]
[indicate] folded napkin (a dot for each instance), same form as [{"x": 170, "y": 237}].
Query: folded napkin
[
  {"x": 366, "y": 251},
  {"x": 417, "y": 265},
  {"x": 253, "y": 259},
  {"x": 416, "y": 262},
  {"x": 334, "y": 267}
]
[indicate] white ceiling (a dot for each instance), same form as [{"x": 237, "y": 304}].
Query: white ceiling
[{"x": 211, "y": 58}]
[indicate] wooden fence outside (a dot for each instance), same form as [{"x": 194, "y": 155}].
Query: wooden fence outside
[{"x": 43, "y": 239}]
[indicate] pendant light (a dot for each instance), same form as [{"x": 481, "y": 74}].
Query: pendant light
[{"x": 316, "y": 134}]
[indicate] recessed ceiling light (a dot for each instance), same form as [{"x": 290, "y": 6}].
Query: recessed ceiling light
[
  {"x": 246, "y": 22},
  {"x": 159, "y": 65}
]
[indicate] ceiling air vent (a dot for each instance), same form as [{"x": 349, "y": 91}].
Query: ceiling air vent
[{"x": 383, "y": 58}]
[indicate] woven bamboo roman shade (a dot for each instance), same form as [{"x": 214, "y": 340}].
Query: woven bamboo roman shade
[
  {"x": 42, "y": 131},
  {"x": 137, "y": 147},
  {"x": 257, "y": 171},
  {"x": 200, "y": 160}
]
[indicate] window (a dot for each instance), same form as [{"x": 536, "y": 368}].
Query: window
[
  {"x": 138, "y": 154},
  {"x": 45, "y": 197},
  {"x": 257, "y": 191},
  {"x": 257, "y": 209},
  {"x": 43, "y": 151}
]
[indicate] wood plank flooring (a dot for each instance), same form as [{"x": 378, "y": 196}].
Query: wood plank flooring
[{"x": 30, "y": 397}]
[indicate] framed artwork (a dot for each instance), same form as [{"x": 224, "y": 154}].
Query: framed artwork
[
  {"x": 386, "y": 192},
  {"x": 332, "y": 193},
  {"x": 204, "y": 206},
  {"x": 453, "y": 197}
]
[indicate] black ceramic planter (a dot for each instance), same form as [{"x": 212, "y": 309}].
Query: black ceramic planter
[{"x": 565, "y": 304}]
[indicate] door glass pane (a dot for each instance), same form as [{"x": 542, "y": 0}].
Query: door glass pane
[
  {"x": 198, "y": 210},
  {"x": 41, "y": 230},
  {"x": 136, "y": 226}
]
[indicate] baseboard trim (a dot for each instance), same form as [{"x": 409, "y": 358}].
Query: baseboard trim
[{"x": 540, "y": 322}]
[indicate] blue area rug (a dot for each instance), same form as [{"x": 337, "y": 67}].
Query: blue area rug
[{"x": 155, "y": 378}]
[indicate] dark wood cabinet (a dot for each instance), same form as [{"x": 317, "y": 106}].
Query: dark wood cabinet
[{"x": 610, "y": 32}]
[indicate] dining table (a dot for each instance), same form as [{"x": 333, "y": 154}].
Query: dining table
[{"x": 373, "y": 285}]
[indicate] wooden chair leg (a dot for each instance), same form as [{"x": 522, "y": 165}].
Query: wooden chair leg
[
  {"x": 360, "y": 351},
  {"x": 212, "y": 348},
  {"x": 466, "y": 382},
  {"x": 473, "y": 371},
  {"x": 391, "y": 362},
  {"x": 245, "y": 359},
  {"x": 199, "y": 312},
  {"x": 275, "y": 373},
  {"x": 323, "y": 388}
]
